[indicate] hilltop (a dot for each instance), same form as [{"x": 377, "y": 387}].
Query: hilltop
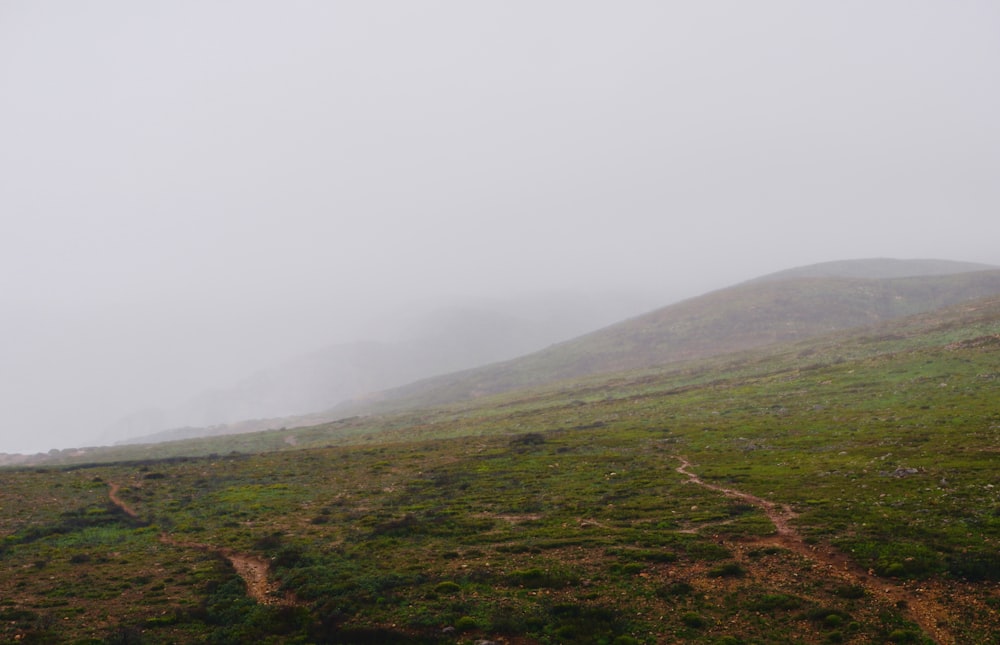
[{"x": 876, "y": 269}]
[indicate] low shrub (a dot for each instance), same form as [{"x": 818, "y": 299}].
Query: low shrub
[
  {"x": 674, "y": 589},
  {"x": 850, "y": 592},
  {"x": 726, "y": 570},
  {"x": 466, "y": 623},
  {"x": 538, "y": 578},
  {"x": 694, "y": 620},
  {"x": 770, "y": 602}
]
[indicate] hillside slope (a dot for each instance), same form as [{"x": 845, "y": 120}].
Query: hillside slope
[
  {"x": 972, "y": 325},
  {"x": 460, "y": 336},
  {"x": 794, "y": 304},
  {"x": 746, "y": 316},
  {"x": 836, "y": 489}
]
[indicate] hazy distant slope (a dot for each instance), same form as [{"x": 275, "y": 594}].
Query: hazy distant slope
[
  {"x": 789, "y": 305},
  {"x": 970, "y": 325},
  {"x": 876, "y": 268},
  {"x": 447, "y": 339},
  {"x": 746, "y": 316}
]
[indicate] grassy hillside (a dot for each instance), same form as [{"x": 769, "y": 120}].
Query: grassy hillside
[
  {"x": 836, "y": 490},
  {"x": 303, "y": 392},
  {"x": 797, "y": 303},
  {"x": 739, "y": 318},
  {"x": 446, "y": 340}
]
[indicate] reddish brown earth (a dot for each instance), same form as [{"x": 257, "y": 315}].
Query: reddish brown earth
[
  {"x": 254, "y": 570},
  {"x": 117, "y": 501},
  {"x": 932, "y": 618},
  {"x": 917, "y": 601}
]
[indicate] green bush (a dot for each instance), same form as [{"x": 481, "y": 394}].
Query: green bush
[
  {"x": 466, "y": 623},
  {"x": 694, "y": 620},
  {"x": 827, "y": 616},
  {"x": 903, "y": 636},
  {"x": 624, "y": 640},
  {"x": 576, "y": 623},
  {"x": 538, "y": 578},
  {"x": 674, "y": 589},
  {"x": 851, "y": 592},
  {"x": 726, "y": 570},
  {"x": 770, "y": 602},
  {"x": 833, "y": 620},
  {"x": 629, "y": 568},
  {"x": 728, "y": 640}
]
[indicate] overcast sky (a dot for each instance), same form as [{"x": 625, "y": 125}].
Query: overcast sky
[{"x": 190, "y": 190}]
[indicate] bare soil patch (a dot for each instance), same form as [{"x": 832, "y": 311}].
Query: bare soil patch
[
  {"x": 117, "y": 501},
  {"x": 919, "y": 605},
  {"x": 254, "y": 569}
]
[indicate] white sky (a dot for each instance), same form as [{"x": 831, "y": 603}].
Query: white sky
[{"x": 189, "y": 190}]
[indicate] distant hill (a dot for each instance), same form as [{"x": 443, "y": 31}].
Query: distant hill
[
  {"x": 793, "y": 305},
  {"x": 445, "y": 340},
  {"x": 466, "y": 353},
  {"x": 927, "y": 340}
]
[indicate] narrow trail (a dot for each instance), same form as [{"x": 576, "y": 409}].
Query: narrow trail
[
  {"x": 924, "y": 611},
  {"x": 254, "y": 570},
  {"x": 117, "y": 501}
]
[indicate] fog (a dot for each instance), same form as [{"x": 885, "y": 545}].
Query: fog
[{"x": 193, "y": 191}]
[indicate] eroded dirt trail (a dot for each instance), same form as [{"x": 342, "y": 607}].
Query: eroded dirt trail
[
  {"x": 113, "y": 489},
  {"x": 254, "y": 570},
  {"x": 928, "y": 614}
]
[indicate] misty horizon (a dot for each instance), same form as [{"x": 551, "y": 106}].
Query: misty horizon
[{"x": 194, "y": 193}]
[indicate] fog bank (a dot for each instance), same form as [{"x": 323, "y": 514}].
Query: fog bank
[{"x": 194, "y": 191}]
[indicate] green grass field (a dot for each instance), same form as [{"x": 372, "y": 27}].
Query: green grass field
[{"x": 557, "y": 515}]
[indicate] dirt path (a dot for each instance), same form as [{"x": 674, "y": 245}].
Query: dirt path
[
  {"x": 254, "y": 570},
  {"x": 117, "y": 501},
  {"x": 928, "y": 614}
]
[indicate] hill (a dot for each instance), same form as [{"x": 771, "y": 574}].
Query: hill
[
  {"x": 362, "y": 378},
  {"x": 749, "y": 315},
  {"x": 400, "y": 419},
  {"x": 447, "y": 339},
  {"x": 832, "y": 489}
]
